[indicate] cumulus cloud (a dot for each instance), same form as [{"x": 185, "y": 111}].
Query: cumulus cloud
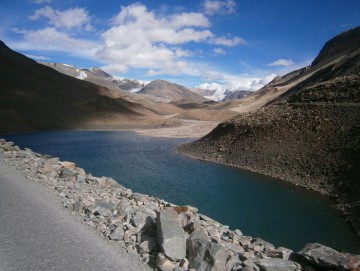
[
  {"x": 282, "y": 62},
  {"x": 219, "y": 7},
  {"x": 219, "y": 51},
  {"x": 53, "y": 40},
  {"x": 139, "y": 38},
  {"x": 68, "y": 19}
]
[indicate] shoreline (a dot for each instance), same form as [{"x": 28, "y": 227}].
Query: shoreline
[
  {"x": 139, "y": 222},
  {"x": 339, "y": 204}
]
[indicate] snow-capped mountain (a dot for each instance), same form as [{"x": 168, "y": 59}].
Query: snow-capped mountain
[
  {"x": 99, "y": 77},
  {"x": 217, "y": 92}
]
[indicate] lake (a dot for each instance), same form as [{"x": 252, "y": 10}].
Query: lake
[{"x": 258, "y": 205}]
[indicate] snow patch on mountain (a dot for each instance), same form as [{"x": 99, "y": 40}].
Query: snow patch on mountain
[{"x": 82, "y": 75}]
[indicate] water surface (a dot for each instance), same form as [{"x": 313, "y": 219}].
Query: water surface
[{"x": 259, "y": 206}]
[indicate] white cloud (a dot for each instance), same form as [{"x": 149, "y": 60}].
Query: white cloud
[
  {"x": 53, "y": 40},
  {"x": 38, "y": 57},
  {"x": 141, "y": 39},
  {"x": 69, "y": 19},
  {"x": 282, "y": 62},
  {"x": 219, "y": 51},
  {"x": 219, "y": 7},
  {"x": 230, "y": 42},
  {"x": 41, "y": 1}
]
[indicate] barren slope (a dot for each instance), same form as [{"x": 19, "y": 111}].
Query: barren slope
[{"x": 308, "y": 135}]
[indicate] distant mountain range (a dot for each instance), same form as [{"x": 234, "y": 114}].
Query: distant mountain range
[
  {"x": 217, "y": 93},
  {"x": 54, "y": 96},
  {"x": 303, "y": 127},
  {"x": 98, "y": 76},
  {"x": 159, "y": 88}
]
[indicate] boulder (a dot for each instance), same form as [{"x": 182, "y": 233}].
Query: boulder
[
  {"x": 324, "y": 257},
  {"x": 280, "y": 252},
  {"x": 274, "y": 264},
  {"x": 147, "y": 246},
  {"x": 67, "y": 165},
  {"x": 170, "y": 235},
  {"x": 206, "y": 255},
  {"x": 164, "y": 263},
  {"x": 117, "y": 234}
]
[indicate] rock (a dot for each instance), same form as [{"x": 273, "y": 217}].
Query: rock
[
  {"x": 324, "y": 257},
  {"x": 164, "y": 263},
  {"x": 80, "y": 179},
  {"x": 117, "y": 234},
  {"x": 273, "y": 264},
  {"x": 142, "y": 221},
  {"x": 199, "y": 234},
  {"x": 67, "y": 173},
  {"x": 77, "y": 206},
  {"x": 238, "y": 232},
  {"x": 250, "y": 264},
  {"x": 67, "y": 165},
  {"x": 206, "y": 255},
  {"x": 233, "y": 264},
  {"x": 281, "y": 253},
  {"x": 147, "y": 246},
  {"x": 170, "y": 235}
]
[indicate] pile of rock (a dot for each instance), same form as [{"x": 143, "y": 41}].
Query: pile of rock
[{"x": 167, "y": 236}]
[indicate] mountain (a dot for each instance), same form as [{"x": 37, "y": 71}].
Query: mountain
[
  {"x": 36, "y": 97},
  {"x": 171, "y": 92},
  {"x": 235, "y": 95},
  {"x": 99, "y": 77},
  {"x": 303, "y": 127},
  {"x": 218, "y": 93}
]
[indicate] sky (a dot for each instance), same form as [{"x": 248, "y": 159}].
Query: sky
[{"x": 210, "y": 43}]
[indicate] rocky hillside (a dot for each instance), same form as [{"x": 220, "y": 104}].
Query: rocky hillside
[
  {"x": 308, "y": 133},
  {"x": 36, "y": 97},
  {"x": 99, "y": 77},
  {"x": 171, "y": 92}
]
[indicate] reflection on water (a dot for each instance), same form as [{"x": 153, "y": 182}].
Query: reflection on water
[{"x": 258, "y": 205}]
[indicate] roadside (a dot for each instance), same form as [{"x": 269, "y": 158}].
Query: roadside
[{"x": 36, "y": 233}]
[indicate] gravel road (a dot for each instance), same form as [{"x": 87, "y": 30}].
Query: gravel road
[{"x": 37, "y": 234}]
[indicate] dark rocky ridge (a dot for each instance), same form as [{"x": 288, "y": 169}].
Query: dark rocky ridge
[
  {"x": 36, "y": 97},
  {"x": 309, "y": 135}
]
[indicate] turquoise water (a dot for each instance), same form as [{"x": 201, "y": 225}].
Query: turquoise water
[{"x": 257, "y": 205}]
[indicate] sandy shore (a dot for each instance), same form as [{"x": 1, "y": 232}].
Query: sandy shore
[
  {"x": 36, "y": 233},
  {"x": 188, "y": 129}
]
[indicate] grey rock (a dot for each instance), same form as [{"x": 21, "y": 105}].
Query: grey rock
[
  {"x": 80, "y": 179},
  {"x": 77, "y": 206},
  {"x": 117, "y": 234},
  {"x": 164, "y": 263},
  {"x": 233, "y": 264},
  {"x": 67, "y": 173},
  {"x": 281, "y": 253},
  {"x": 142, "y": 221},
  {"x": 171, "y": 235},
  {"x": 250, "y": 264},
  {"x": 324, "y": 257},
  {"x": 199, "y": 234},
  {"x": 147, "y": 246},
  {"x": 238, "y": 232},
  {"x": 273, "y": 264},
  {"x": 206, "y": 255}
]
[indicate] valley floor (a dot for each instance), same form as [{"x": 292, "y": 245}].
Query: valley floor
[{"x": 187, "y": 129}]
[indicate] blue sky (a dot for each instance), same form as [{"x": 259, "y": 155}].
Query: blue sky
[{"x": 236, "y": 44}]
